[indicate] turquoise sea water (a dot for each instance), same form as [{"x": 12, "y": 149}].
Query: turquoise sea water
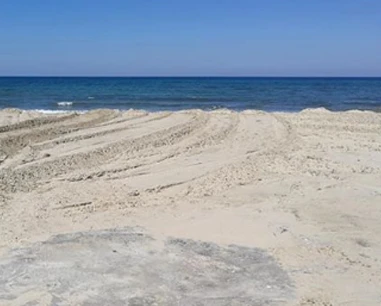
[{"x": 269, "y": 94}]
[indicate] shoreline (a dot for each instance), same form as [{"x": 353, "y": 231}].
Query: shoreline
[{"x": 65, "y": 111}]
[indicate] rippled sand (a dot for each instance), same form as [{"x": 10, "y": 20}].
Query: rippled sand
[{"x": 305, "y": 187}]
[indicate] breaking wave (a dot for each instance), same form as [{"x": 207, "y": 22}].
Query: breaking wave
[{"x": 65, "y": 103}]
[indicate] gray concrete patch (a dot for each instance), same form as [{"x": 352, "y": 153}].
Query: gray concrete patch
[{"x": 129, "y": 267}]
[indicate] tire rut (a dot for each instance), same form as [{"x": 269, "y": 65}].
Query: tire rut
[
  {"x": 26, "y": 177},
  {"x": 12, "y": 144}
]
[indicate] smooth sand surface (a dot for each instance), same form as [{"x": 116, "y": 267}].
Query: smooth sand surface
[{"x": 303, "y": 187}]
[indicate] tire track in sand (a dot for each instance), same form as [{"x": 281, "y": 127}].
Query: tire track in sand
[
  {"x": 217, "y": 128},
  {"x": 14, "y": 142},
  {"x": 26, "y": 177},
  {"x": 245, "y": 165}
]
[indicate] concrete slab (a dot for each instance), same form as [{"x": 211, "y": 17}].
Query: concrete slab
[{"x": 130, "y": 267}]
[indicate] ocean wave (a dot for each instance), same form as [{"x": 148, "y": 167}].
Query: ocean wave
[
  {"x": 52, "y": 112},
  {"x": 90, "y": 98},
  {"x": 65, "y": 103},
  {"x": 48, "y": 111}
]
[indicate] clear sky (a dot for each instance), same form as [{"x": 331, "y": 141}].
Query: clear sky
[{"x": 190, "y": 37}]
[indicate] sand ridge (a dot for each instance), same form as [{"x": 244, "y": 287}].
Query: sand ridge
[{"x": 303, "y": 186}]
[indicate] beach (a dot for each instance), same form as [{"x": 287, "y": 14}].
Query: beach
[{"x": 304, "y": 187}]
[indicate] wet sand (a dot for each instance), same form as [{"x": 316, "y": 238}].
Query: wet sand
[{"x": 305, "y": 188}]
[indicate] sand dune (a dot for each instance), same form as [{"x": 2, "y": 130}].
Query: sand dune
[{"x": 304, "y": 186}]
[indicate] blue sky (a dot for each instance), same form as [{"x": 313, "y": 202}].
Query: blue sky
[{"x": 190, "y": 38}]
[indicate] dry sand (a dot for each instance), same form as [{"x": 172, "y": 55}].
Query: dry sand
[{"x": 304, "y": 187}]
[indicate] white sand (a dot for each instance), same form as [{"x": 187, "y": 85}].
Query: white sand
[{"x": 306, "y": 187}]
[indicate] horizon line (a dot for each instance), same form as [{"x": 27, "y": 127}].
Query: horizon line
[{"x": 181, "y": 76}]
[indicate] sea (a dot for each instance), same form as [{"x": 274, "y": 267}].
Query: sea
[{"x": 57, "y": 94}]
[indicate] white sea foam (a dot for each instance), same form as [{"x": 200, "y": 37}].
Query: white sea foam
[
  {"x": 50, "y": 111},
  {"x": 65, "y": 103},
  {"x": 90, "y": 98},
  {"x": 53, "y": 112}
]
